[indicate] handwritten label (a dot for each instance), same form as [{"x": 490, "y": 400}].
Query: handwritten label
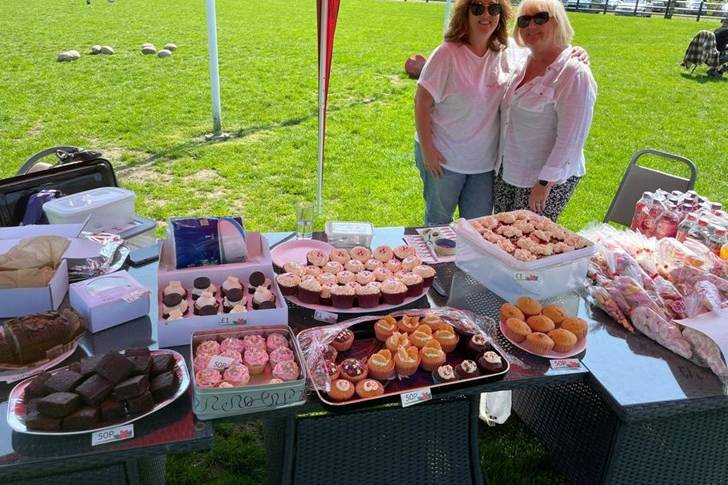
[
  {"x": 119, "y": 433},
  {"x": 326, "y": 317},
  {"x": 565, "y": 364},
  {"x": 232, "y": 319},
  {"x": 415, "y": 397},
  {"x": 525, "y": 276},
  {"x": 218, "y": 362}
]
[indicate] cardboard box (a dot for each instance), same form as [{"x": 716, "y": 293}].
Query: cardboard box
[{"x": 109, "y": 300}]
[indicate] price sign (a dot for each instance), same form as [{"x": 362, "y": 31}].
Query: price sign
[
  {"x": 325, "y": 317},
  {"x": 218, "y": 362},
  {"x": 565, "y": 364},
  {"x": 415, "y": 397},
  {"x": 111, "y": 435}
]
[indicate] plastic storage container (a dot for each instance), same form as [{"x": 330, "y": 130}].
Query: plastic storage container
[
  {"x": 510, "y": 278},
  {"x": 106, "y": 206},
  {"x": 349, "y": 234}
]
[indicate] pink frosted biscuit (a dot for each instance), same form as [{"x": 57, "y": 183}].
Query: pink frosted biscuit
[
  {"x": 509, "y": 231},
  {"x": 317, "y": 257},
  {"x": 201, "y": 361},
  {"x": 506, "y": 245},
  {"x": 541, "y": 223},
  {"x": 256, "y": 360},
  {"x": 562, "y": 247},
  {"x": 558, "y": 234},
  {"x": 492, "y": 237},
  {"x": 526, "y": 243},
  {"x": 505, "y": 218},
  {"x": 383, "y": 253},
  {"x": 286, "y": 371},
  {"x": 340, "y": 256},
  {"x": 274, "y": 341},
  {"x": 522, "y": 214},
  {"x": 393, "y": 265},
  {"x": 232, "y": 343},
  {"x": 403, "y": 250},
  {"x": 478, "y": 226},
  {"x": 207, "y": 378},
  {"x": 253, "y": 342},
  {"x": 373, "y": 264},
  {"x": 210, "y": 347},
  {"x": 344, "y": 277},
  {"x": 410, "y": 262},
  {"x": 382, "y": 274},
  {"x": 334, "y": 267},
  {"x": 489, "y": 222},
  {"x": 237, "y": 375},
  {"x": 354, "y": 266},
  {"x": 281, "y": 354},
  {"x": 524, "y": 227},
  {"x": 232, "y": 354},
  {"x": 327, "y": 278},
  {"x": 523, "y": 255},
  {"x": 295, "y": 268},
  {"x": 581, "y": 243},
  {"x": 365, "y": 277},
  {"x": 543, "y": 249},
  {"x": 427, "y": 273},
  {"x": 541, "y": 235},
  {"x": 360, "y": 253},
  {"x": 314, "y": 271}
]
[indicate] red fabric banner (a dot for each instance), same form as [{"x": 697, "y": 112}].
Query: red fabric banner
[{"x": 333, "y": 13}]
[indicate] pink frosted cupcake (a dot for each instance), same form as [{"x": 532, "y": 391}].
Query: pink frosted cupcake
[
  {"x": 232, "y": 354},
  {"x": 314, "y": 271},
  {"x": 354, "y": 265},
  {"x": 317, "y": 257},
  {"x": 209, "y": 347},
  {"x": 207, "y": 378},
  {"x": 409, "y": 263},
  {"x": 275, "y": 340},
  {"x": 254, "y": 342},
  {"x": 232, "y": 343},
  {"x": 383, "y": 253},
  {"x": 365, "y": 277},
  {"x": 333, "y": 267},
  {"x": 309, "y": 291},
  {"x": 343, "y": 296},
  {"x": 295, "y": 268},
  {"x": 360, "y": 253},
  {"x": 368, "y": 296},
  {"x": 237, "y": 375},
  {"x": 345, "y": 277},
  {"x": 256, "y": 360},
  {"x": 326, "y": 293},
  {"x": 426, "y": 272},
  {"x": 286, "y": 371},
  {"x": 281, "y": 354},
  {"x": 288, "y": 283},
  {"x": 325, "y": 278},
  {"x": 382, "y": 274},
  {"x": 376, "y": 284},
  {"x": 393, "y": 265},
  {"x": 201, "y": 361},
  {"x": 393, "y": 292},
  {"x": 404, "y": 250},
  {"x": 414, "y": 283},
  {"x": 340, "y": 256},
  {"x": 263, "y": 299},
  {"x": 373, "y": 264}
]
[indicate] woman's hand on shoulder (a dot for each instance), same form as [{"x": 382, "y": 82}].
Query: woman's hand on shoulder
[
  {"x": 433, "y": 160},
  {"x": 580, "y": 54}
]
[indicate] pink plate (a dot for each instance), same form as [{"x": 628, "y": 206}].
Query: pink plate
[
  {"x": 356, "y": 309},
  {"x": 296, "y": 251},
  {"x": 579, "y": 348}
]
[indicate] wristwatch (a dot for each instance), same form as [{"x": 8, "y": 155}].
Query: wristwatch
[{"x": 543, "y": 183}]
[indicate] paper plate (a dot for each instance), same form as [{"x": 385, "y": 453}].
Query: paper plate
[
  {"x": 16, "y": 405},
  {"x": 296, "y": 251},
  {"x": 579, "y": 348}
]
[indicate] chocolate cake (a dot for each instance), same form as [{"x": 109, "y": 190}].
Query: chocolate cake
[
  {"x": 63, "y": 381},
  {"x": 112, "y": 410},
  {"x": 37, "y": 387},
  {"x": 59, "y": 404},
  {"x": 25, "y": 340},
  {"x": 114, "y": 367},
  {"x": 164, "y": 386},
  {"x": 142, "y": 364},
  {"x": 161, "y": 363},
  {"x": 132, "y": 387},
  {"x": 84, "y": 418},
  {"x": 138, "y": 351},
  {"x": 141, "y": 404},
  {"x": 39, "y": 422},
  {"x": 94, "y": 389},
  {"x": 88, "y": 365}
]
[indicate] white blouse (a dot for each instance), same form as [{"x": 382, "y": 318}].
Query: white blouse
[{"x": 545, "y": 123}]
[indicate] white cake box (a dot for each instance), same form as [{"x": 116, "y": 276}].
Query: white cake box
[
  {"x": 109, "y": 300},
  {"x": 178, "y": 332},
  {"x": 106, "y": 206},
  {"x": 510, "y": 278}
]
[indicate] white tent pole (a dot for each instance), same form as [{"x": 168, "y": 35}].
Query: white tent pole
[
  {"x": 322, "y": 102},
  {"x": 447, "y": 15},
  {"x": 214, "y": 68}
]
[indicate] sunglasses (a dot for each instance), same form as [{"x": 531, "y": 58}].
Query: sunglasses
[
  {"x": 494, "y": 9},
  {"x": 538, "y": 19}
]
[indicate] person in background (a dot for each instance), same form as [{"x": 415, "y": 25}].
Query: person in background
[
  {"x": 721, "y": 43},
  {"x": 545, "y": 115},
  {"x": 456, "y": 112}
]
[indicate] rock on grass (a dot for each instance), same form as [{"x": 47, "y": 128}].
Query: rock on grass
[
  {"x": 164, "y": 53},
  {"x": 69, "y": 56}
]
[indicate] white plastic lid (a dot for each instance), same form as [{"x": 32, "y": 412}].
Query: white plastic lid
[
  {"x": 336, "y": 228},
  {"x": 88, "y": 200}
]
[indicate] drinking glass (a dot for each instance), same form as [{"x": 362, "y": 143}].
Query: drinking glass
[{"x": 304, "y": 219}]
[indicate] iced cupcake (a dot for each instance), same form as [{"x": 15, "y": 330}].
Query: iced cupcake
[
  {"x": 393, "y": 265},
  {"x": 237, "y": 375},
  {"x": 233, "y": 298},
  {"x": 326, "y": 292},
  {"x": 368, "y": 296},
  {"x": 230, "y": 283},
  {"x": 201, "y": 285},
  {"x": 342, "y": 296},
  {"x": 345, "y": 277},
  {"x": 409, "y": 263},
  {"x": 317, "y": 257},
  {"x": 325, "y": 278},
  {"x": 360, "y": 253},
  {"x": 340, "y": 256},
  {"x": 354, "y": 265},
  {"x": 295, "y": 268},
  {"x": 256, "y": 361},
  {"x": 393, "y": 292},
  {"x": 383, "y": 253},
  {"x": 373, "y": 264},
  {"x": 426, "y": 272},
  {"x": 314, "y": 271},
  {"x": 309, "y": 291},
  {"x": 333, "y": 267},
  {"x": 288, "y": 283},
  {"x": 365, "y": 277},
  {"x": 232, "y": 343},
  {"x": 414, "y": 283},
  {"x": 275, "y": 340},
  {"x": 174, "y": 287},
  {"x": 208, "y": 378},
  {"x": 281, "y": 354},
  {"x": 173, "y": 302},
  {"x": 206, "y": 304},
  {"x": 286, "y": 371},
  {"x": 403, "y": 250},
  {"x": 382, "y": 274}
]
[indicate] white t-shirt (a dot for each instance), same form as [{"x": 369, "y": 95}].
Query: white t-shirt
[
  {"x": 467, "y": 91},
  {"x": 545, "y": 123}
]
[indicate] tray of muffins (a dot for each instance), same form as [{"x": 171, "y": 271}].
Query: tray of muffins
[
  {"x": 239, "y": 371},
  {"x": 99, "y": 392},
  {"x": 356, "y": 280},
  {"x": 543, "y": 330},
  {"x": 373, "y": 358}
]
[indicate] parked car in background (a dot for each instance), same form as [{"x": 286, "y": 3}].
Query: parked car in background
[
  {"x": 638, "y": 8},
  {"x": 590, "y": 5}
]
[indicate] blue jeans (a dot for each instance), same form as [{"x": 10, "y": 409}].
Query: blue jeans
[{"x": 472, "y": 194}]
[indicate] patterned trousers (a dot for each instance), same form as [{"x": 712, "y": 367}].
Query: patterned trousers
[{"x": 509, "y": 197}]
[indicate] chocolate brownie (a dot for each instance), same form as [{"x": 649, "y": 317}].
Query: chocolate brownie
[
  {"x": 59, "y": 404},
  {"x": 112, "y": 410},
  {"x": 84, "y": 418},
  {"x": 63, "y": 381},
  {"x": 142, "y": 364},
  {"x": 88, "y": 365},
  {"x": 39, "y": 422},
  {"x": 114, "y": 367},
  {"x": 31, "y": 406},
  {"x": 138, "y": 351},
  {"x": 161, "y": 363},
  {"x": 132, "y": 387},
  {"x": 164, "y": 386},
  {"x": 37, "y": 387},
  {"x": 94, "y": 389},
  {"x": 141, "y": 404},
  {"x": 75, "y": 367}
]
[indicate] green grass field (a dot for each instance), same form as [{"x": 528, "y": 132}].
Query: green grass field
[{"x": 149, "y": 117}]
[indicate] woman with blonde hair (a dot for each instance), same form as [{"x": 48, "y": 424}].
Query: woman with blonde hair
[{"x": 545, "y": 115}]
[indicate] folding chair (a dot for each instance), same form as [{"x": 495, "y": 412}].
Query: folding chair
[{"x": 637, "y": 180}]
